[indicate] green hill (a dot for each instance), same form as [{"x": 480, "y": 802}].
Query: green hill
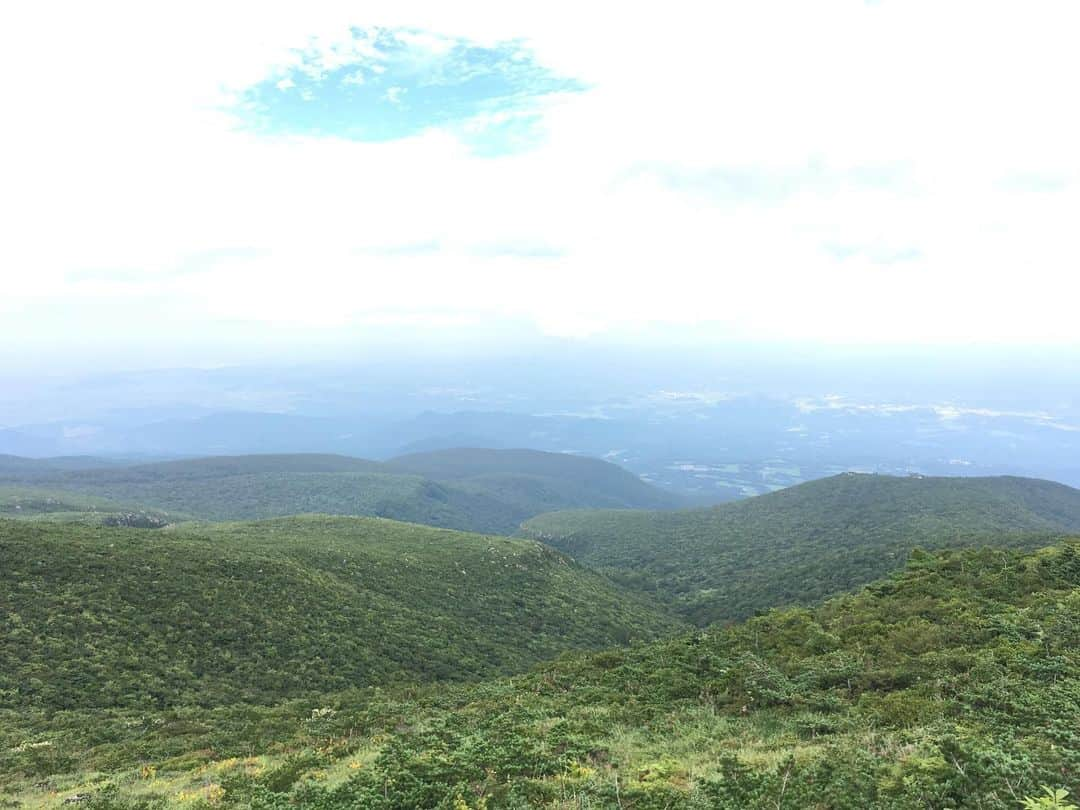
[
  {"x": 32, "y": 503},
  {"x": 221, "y": 466},
  {"x": 800, "y": 545},
  {"x": 257, "y": 495},
  {"x": 19, "y": 465},
  {"x": 256, "y": 612},
  {"x": 493, "y": 495},
  {"x": 531, "y": 476},
  {"x": 955, "y": 684}
]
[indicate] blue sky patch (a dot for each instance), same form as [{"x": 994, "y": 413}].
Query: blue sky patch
[{"x": 395, "y": 83}]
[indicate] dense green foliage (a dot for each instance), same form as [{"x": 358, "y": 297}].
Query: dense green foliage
[
  {"x": 483, "y": 491},
  {"x": 257, "y": 612},
  {"x": 32, "y": 503},
  {"x": 531, "y": 477},
  {"x": 21, "y": 466},
  {"x": 800, "y": 545},
  {"x": 955, "y": 684},
  {"x": 272, "y": 494}
]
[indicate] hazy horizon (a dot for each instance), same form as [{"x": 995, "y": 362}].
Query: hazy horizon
[
  {"x": 773, "y": 235},
  {"x": 352, "y": 178}
]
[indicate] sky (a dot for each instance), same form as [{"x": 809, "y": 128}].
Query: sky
[{"x": 196, "y": 176}]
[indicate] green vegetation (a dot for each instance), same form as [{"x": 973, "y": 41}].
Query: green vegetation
[
  {"x": 1051, "y": 799},
  {"x": 483, "y": 491},
  {"x": 954, "y": 684},
  {"x": 800, "y": 545},
  {"x": 529, "y": 477},
  {"x": 208, "y": 615},
  {"x": 339, "y": 662},
  {"x": 254, "y": 496},
  {"x": 18, "y": 465},
  {"x": 31, "y": 503}
]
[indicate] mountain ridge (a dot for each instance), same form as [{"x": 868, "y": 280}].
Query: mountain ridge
[
  {"x": 804, "y": 543},
  {"x": 488, "y": 491}
]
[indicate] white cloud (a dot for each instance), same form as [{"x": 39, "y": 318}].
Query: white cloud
[{"x": 720, "y": 152}]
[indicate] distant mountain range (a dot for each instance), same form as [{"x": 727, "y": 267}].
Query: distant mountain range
[
  {"x": 32, "y": 467},
  {"x": 480, "y": 490},
  {"x": 710, "y": 441}
]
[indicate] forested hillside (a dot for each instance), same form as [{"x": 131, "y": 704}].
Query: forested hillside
[
  {"x": 30, "y": 501},
  {"x": 20, "y": 466},
  {"x": 59, "y": 506},
  {"x": 97, "y": 617},
  {"x": 530, "y": 476},
  {"x": 801, "y": 544},
  {"x": 483, "y": 491},
  {"x": 954, "y": 684}
]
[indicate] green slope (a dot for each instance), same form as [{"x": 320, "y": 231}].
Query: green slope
[
  {"x": 20, "y": 465},
  {"x": 955, "y": 684},
  {"x": 33, "y": 503},
  {"x": 532, "y": 476},
  {"x": 495, "y": 499},
  {"x": 799, "y": 545},
  {"x": 257, "y": 612},
  {"x": 220, "y": 466},
  {"x": 249, "y": 496}
]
